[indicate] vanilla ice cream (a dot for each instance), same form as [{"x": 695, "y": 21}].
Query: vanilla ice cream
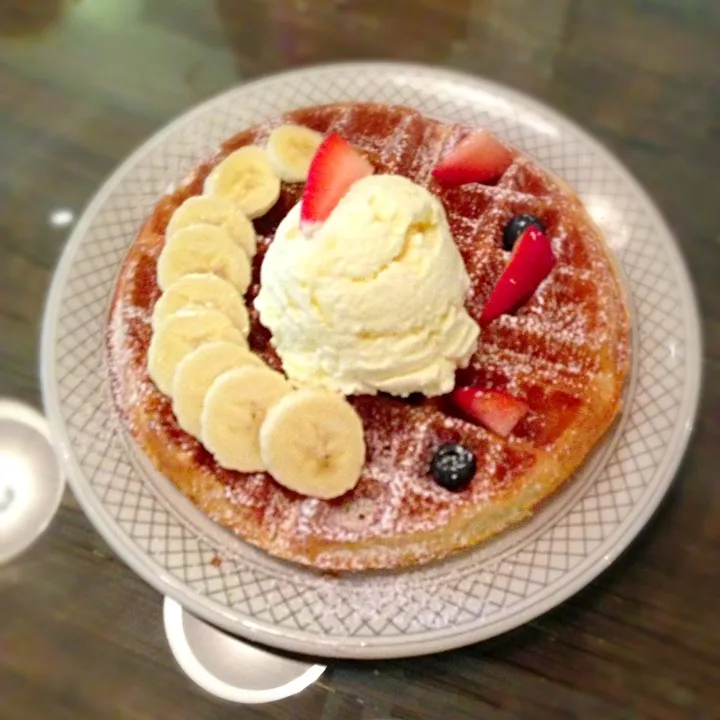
[{"x": 374, "y": 299}]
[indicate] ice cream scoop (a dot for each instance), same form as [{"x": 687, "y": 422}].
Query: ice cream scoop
[{"x": 374, "y": 300}]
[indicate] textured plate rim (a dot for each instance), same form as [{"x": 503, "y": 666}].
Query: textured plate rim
[{"x": 377, "y": 647}]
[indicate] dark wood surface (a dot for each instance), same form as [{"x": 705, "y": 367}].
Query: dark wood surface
[{"x": 83, "y": 82}]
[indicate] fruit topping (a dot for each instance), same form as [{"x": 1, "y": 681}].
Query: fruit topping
[
  {"x": 530, "y": 263},
  {"x": 233, "y": 410},
  {"x": 496, "y": 410},
  {"x": 246, "y": 177},
  {"x": 480, "y": 157},
  {"x": 197, "y": 371},
  {"x": 202, "y": 290},
  {"x": 334, "y": 168},
  {"x": 182, "y": 333},
  {"x": 453, "y": 466},
  {"x": 312, "y": 442},
  {"x": 515, "y": 228},
  {"x": 215, "y": 210},
  {"x": 198, "y": 249},
  {"x": 291, "y": 149}
]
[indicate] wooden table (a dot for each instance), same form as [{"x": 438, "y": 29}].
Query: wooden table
[{"x": 82, "y": 83}]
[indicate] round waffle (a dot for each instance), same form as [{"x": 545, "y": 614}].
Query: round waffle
[{"x": 565, "y": 352}]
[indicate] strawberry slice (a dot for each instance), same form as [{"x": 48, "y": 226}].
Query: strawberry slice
[
  {"x": 531, "y": 261},
  {"x": 480, "y": 157},
  {"x": 494, "y": 409},
  {"x": 334, "y": 168}
]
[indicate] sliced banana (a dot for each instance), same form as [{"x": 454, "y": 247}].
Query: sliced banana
[
  {"x": 179, "y": 335},
  {"x": 203, "y": 249},
  {"x": 219, "y": 211},
  {"x": 202, "y": 290},
  {"x": 246, "y": 177},
  {"x": 197, "y": 371},
  {"x": 291, "y": 149},
  {"x": 234, "y": 408},
  {"x": 312, "y": 442}
]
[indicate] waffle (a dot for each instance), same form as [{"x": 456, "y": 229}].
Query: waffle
[{"x": 565, "y": 352}]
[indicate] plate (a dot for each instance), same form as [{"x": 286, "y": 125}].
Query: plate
[{"x": 474, "y": 595}]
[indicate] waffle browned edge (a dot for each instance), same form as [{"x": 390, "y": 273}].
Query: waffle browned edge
[{"x": 467, "y": 528}]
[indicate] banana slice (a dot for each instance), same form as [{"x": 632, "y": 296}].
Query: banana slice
[
  {"x": 179, "y": 335},
  {"x": 219, "y": 211},
  {"x": 312, "y": 442},
  {"x": 197, "y": 371},
  {"x": 234, "y": 408},
  {"x": 290, "y": 149},
  {"x": 246, "y": 177},
  {"x": 203, "y": 249},
  {"x": 202, "y": 290}
]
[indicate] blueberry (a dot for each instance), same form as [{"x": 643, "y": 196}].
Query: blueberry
[
  {"x": 515, "y": 228},
  {"x": 453, "y": 466}
]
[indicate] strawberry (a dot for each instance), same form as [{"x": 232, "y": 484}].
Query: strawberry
[
  {"x": 531, "y": 261},
  {"x": 334, "y": 168},
  {"x": 480, "y": 157},
  {"x": 498, "y": 411}
]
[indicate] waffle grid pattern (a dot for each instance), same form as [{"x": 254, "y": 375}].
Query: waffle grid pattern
[{"x": 466, "y": 593}]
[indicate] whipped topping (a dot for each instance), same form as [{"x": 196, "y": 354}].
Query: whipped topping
[{"x": 374, "y": 300}]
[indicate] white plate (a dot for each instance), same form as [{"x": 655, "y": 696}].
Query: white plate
[
  {"x": 31, "y": 479},
  {"x": 473, "y": 596},
  {"x": 232, "y": 669}
]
